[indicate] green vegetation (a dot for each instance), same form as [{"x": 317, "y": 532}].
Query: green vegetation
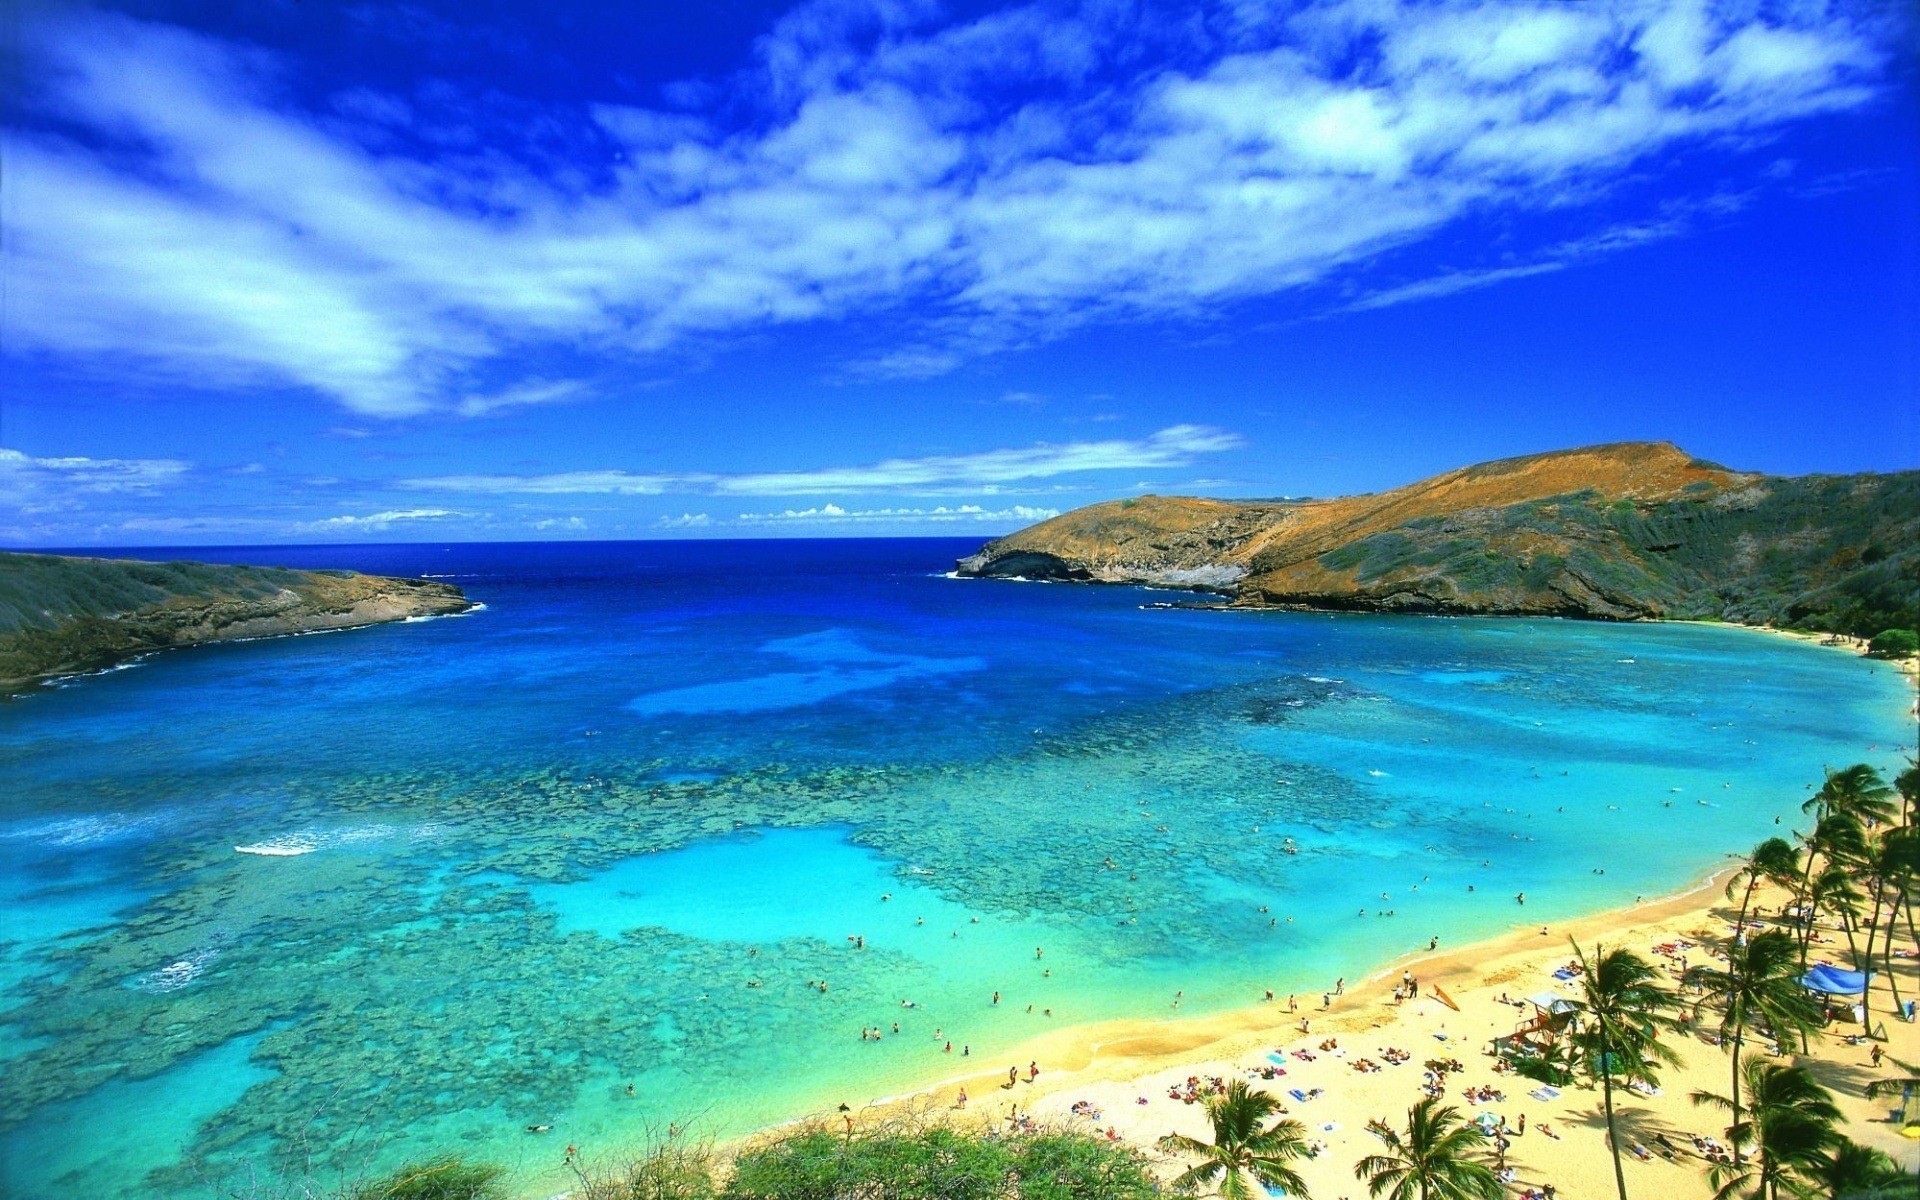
[
  {"x": 446, "y": 1178},
  {"x": 62, "y": 615},
  {"x": 1438, "y": 1156},
  {"x": 888, "y": 1163},
  {"x": 1789, "y": 1128},
  {"x": 938, "y": 1164},
  {"x": 1759, "y": 989},
  {"x": 1246, "y": 1155},
  {"x": 1894, "y": 643}
]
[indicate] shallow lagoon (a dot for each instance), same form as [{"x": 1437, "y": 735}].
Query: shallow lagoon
[{"x": 615, "y": 828}]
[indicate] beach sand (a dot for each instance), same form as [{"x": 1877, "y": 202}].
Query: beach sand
[{"x": 1111, "y": 1066}]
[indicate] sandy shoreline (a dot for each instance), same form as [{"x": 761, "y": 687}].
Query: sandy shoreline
[
  {"x": 1112, "y": 1067},
  {"x": 1124, "y": 1069}
]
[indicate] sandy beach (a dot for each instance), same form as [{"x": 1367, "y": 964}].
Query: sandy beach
[{"x": 1118, "y": 1076}]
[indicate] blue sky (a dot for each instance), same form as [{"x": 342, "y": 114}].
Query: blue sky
[{"x": 297, "y": 272}]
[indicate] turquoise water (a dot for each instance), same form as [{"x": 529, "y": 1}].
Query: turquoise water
[{"x": 618, "y": 828}]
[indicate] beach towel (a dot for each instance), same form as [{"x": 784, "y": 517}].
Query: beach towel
[
  {"x": 1278, "y": 1059},
  {"x": 1297, "y": 1094},
  {"x": 1543, "y": 1093}
]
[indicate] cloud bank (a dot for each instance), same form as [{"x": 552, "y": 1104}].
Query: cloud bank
[
  {"x": 981, "y": 185},
  {"x": 1177, "y": 445}
]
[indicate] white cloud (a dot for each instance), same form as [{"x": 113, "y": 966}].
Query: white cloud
[
  {"x": 685, "y": 521},
  {"x": 381, "y": 520},
  {"x": 33, "y": 482},
  {"x": 834, "y": 514},
  {"x": 565, "y": 483},
  {"x": 985, "y": 185},
  {"x": 1174, "y": 446},
  {"x": 526, "y": 395}
]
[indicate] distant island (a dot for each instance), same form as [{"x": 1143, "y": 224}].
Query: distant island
[
  {"x": 62, "y": 615},
  {"x": 1627, "y": 531}
]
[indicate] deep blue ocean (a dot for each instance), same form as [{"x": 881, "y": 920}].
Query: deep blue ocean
[{"x": 308, "y": 907}]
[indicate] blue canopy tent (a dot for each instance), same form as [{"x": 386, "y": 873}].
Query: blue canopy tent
[{"x": 1830, "y": 980}]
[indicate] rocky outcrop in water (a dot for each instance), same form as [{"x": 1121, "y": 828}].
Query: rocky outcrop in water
[
  {"x": 1618, "y": 532},
  {"x": 61, "y": 615}
]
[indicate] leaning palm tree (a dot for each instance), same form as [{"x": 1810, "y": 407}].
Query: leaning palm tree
[
  {"x": 1790, "y": 1129},
  {"x": 1621, "y": 1013},
  {"x": 1439, "y": 1156},
  {"x": 1772, "y": 861},
  {"x": 1246, "y": 1154},
  {"x": 1850, "y": 1171},
  {"x": 1759, "y": 989}
]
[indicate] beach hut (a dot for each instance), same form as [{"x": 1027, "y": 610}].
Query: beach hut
[{"x": 1537, "y": 1032}]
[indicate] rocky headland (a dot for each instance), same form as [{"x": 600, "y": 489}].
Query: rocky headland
[
  {"x": 1627, "y": 531},
  {"x": 63, "y": 615}
]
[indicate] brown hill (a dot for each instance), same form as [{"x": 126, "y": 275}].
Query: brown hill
[{"x": 1633, "y": 529}]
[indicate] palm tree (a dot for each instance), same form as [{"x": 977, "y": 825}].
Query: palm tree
[
  {"x": 1772, "y": 861},
  {"x": 1759, "y": 988},
  {"x": 1907, "y": 783},
  {"x": 1850, "y": 1171},
  {"x": 1834, "y": 889},
  {"x": 1438, "y": 1157},
  {"x": 1622, "y": 1011},
  {"x": 1857, "y": 791},
  {"x": 1838, "y": 838},
  {"x": 1791, "y": 1130},
  {"x": 1246, "y": 1154},
  {"x": 1896, "y": 869}
]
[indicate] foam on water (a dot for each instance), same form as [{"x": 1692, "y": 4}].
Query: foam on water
[{"x": 620, "y": 832}]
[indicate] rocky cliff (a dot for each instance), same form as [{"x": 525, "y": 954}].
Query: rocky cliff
[
  {"x": 61, "y": 615},
  {"x": 1619, "y": 532}
]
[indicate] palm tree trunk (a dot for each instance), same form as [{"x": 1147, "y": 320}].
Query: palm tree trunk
[
  {"x": 1740, "y": 926},
  {"x": 1613, "y": 1137},
  {"x": 1846, "y": 926},
  {"x": 1734, "y": 1094}
]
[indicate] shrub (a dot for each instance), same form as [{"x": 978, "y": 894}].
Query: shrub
[
  {"x": 669, "y": 1170},
  {"x": 444, "y": 1178},
  {"x": 1895, "y": 643},
  {"x": 940, "y": 1164}
]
